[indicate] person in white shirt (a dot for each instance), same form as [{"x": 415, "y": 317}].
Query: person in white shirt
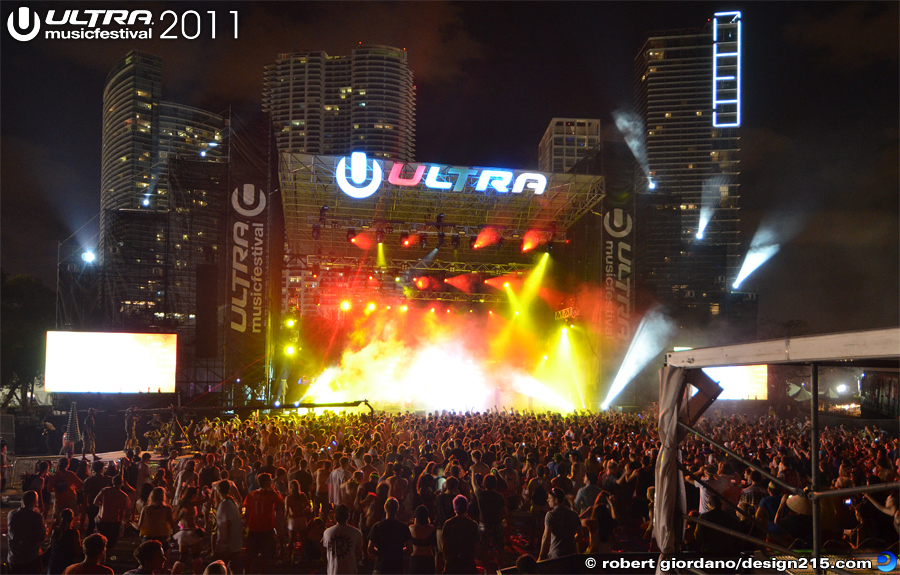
[
  {"x": 343, "y": 544},
  {"x": 229, "y": 535},
  {"x": 336, "y": 479}
]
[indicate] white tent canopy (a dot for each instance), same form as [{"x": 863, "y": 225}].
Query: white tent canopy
[{"x": 871, "y": 347}]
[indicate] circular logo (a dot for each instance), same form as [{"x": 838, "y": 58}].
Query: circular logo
[
  {"x": 358, "y": 169},
  {"x": 24, "y": 15}
]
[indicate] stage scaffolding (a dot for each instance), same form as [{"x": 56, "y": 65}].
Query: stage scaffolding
[{"x": 324, "y": 267}]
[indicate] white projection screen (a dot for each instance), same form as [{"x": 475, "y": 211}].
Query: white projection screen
[
  {"x": 95, "y": 362},
  {"x": 741, "y": 382}
]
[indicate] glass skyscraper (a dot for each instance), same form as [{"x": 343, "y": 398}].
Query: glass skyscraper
[
  {"x": 688, "y": 188},
  {"x": 152, "y": 231}
]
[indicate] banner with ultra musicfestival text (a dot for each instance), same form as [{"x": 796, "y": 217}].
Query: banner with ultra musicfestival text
[{"x": 246, "y": 303}]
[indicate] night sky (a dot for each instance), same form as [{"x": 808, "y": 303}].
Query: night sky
[{"x": 819, "y": 141}]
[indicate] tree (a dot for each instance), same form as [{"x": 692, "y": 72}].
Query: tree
[{"x": 28, "y": 311}]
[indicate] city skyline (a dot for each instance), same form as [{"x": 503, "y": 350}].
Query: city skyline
[{"x": 819, "y": 142}]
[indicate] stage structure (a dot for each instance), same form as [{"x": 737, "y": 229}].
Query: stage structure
[{"x": 360, "y": 229}]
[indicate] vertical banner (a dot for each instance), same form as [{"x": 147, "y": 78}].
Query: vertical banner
[
  {"x": 246, "y": 303},
  {"x": 618, "y": 266}
]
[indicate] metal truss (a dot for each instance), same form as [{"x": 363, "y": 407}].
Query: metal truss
[
  {"x": 317, "y": 285},
  {"x": 318, "y": 214},
  {"x": 435, "y": 265},
  {"x": 458, "y": 297}
]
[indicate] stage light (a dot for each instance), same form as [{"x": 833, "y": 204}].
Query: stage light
[
  {"x": 323, "y": 211},
  {"x": 473, "y": 243},
  {"x": 397, "y": 279},
  {"x": 441, "y": 237},
  {"x": 88, "y": 257},
  {"x": 404, "y": 307},
  {"x": 404, "y": 239},
  {"x": 316, "y": 232},
  {"x": 296, "y": 404},
  {"x": 289, "y": 349},
  {"x": 203, "y": 154},
  {"x": 379, "y": 236},
  {"x": 432, "y": 310},
  {"x": 506, "y": 284},
  {"x": 651, "y": 337},
  {"x": 530, "y": 240},
  {"x": 651, "y": 184},
  {"x": 842, "y": 388},
  {"x": 454, "y": 241},
  {"x": 423, "y": 241},
  {"x": 516, "y": 313},
  {"x": 370, "y": 308},
  {"x": 565, "y": 330},
  {"x": 345, "y": 305},
  {"x": 351, "y": 235},
  {"x": 290, "y": 322},
  {"x": 440, "y": 219}
]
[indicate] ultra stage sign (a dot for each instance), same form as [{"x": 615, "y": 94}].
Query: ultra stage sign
[{"x": 361, "y": 178}]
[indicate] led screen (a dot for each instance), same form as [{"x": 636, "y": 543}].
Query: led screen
[
  {"x": 740, "y": 382},
  {"x": 79, "y": 362}
]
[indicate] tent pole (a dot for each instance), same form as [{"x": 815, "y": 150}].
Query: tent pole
[{"x": 814, "y": 461}]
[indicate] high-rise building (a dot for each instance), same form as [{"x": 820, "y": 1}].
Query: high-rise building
[
  {"x": 141, "y": 233},
  {"x": 566, "y": 141},
  {"x": 332, "y": 105},
  {"x": 688, "y": 191},
  {"x": 164, "y": 175}
]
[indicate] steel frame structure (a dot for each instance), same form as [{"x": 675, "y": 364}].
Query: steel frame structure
[
  {"x": 876, "y": 347},
  {"x": 319, "y": 219}
]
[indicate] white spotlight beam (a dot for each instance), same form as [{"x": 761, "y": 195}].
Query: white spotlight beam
[
  {"x": 649, "y": 340},
  {"x": 754, "y": 259}
]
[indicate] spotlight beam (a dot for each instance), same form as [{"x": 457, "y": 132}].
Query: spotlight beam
[{"x": 649, "y": 340}]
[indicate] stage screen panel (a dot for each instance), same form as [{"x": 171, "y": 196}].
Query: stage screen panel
[
  {"x": 94, "y": 362},
  {"x": 741, "y": 382}
]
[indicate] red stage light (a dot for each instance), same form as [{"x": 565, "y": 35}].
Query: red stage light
[{"x": 530, "y": 240}]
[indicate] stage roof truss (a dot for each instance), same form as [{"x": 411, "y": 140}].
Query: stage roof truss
[{"x": 308, "y": 184}]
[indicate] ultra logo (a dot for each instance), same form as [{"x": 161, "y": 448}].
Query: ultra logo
[{"x": 365, "y": 181}]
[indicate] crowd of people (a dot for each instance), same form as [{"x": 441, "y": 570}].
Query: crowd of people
[{"x": 440, "y": 493}]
